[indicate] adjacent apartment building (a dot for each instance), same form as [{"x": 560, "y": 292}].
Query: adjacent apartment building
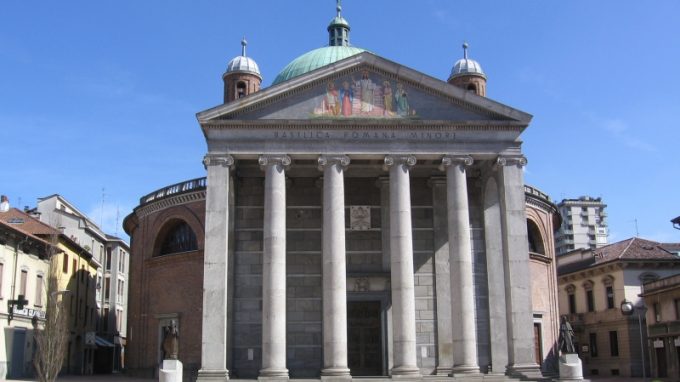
[
  {"x": 112, "y": 255},
  {"x": 30, "y": 253},
  {"x": 662, "y": 297},
  {"x": 593, "y": 283},
  {"x": 584, "y": 224}
]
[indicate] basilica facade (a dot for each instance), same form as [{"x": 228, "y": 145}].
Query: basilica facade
[{"x": 358, "y": 218}]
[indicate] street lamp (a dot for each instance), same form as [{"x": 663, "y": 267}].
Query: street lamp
[
  {"x": 627, "y": 309},
  {"x": 676, "y": 222}
]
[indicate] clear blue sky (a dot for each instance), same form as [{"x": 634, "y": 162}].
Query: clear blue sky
[{"x": 103, "y": 94}]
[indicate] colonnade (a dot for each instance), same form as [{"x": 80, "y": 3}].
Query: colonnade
[{"x": 335, "y": 366}]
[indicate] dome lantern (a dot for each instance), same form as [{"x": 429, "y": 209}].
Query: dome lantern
[
  {"x": 338, "y": 49},
  {"x": 338, "y": 29}
]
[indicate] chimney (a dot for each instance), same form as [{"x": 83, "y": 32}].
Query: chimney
[{"x": 4, "y": 203}]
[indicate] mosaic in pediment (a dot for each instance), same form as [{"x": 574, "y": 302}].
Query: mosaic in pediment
[{"x": 363, "y": 95}]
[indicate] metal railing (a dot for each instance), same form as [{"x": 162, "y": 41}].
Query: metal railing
[{"x": 175, "y": 189}]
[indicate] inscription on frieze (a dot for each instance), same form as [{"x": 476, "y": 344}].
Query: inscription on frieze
[{"x": 363, "y": 135}]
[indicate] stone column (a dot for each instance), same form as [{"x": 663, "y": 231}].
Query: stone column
[
  {"x": 274, "y": 268},
  {"x": 401, "y": 245},
  {"x": 493, "y": 234},
  {"x": 516, "y": 264},
  {"x": 215, "y": 272},
  {"x": 334, "y": 269},
  {"x": 460, "y": 260},
  {"x": 442, "y": 279}
]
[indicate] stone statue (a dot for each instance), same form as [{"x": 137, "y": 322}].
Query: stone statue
[
  {"x": 171, "y": 341},
  {"x": 566, "y": 341}
]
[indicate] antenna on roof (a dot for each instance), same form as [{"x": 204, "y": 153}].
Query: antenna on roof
[
  {"x": 101, "y": 212},
  {"x": 637, "y": 233}
]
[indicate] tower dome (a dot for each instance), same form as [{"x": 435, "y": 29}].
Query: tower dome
[
  {"x": 338, "y": 49},
  {"x": 243, "y": 63},
  {"x": 242, "y": 76},
  {"x": 468, "y": 74}
]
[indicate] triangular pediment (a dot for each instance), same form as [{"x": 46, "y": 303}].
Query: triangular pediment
[{"x": 365, "y": 88}]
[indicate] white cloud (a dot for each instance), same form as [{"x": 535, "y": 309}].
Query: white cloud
[{"x": 619, "y": 130}]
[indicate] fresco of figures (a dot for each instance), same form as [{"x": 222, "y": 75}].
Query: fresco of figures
[{"x": 364, "y": 97}]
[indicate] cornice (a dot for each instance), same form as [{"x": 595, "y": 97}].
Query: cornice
[
  {"x": 177, "y": 200},
  {"x": 364, "y": 124},
  {"x": 540, "y": 258}
]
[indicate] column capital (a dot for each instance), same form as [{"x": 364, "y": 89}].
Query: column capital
[
  {"x": 510, "y": 160},
  {"x": 451, "y": 160},
  {"x": 272, "y": 160},
  {"x": 224, "y": 160},
  {"x": 406, "y": 160},
  {"x": 329, "y": 160}
]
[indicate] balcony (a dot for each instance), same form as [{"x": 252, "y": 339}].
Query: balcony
[{"x": 175, "y": 189}]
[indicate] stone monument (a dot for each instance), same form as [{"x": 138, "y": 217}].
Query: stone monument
[
  {"x": 171, "y": 369},
  {"x": 570, "y": 365}
]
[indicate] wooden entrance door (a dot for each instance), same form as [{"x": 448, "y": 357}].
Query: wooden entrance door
[
  {"x": 538, "y": 354},
  {"x": 364, "y": 337}
]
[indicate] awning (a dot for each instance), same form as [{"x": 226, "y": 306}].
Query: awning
[{"x": 101, "y": 342}]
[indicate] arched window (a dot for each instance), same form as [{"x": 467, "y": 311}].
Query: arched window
[
  {"x": 240, "y": 90},
  {"x": 608, "y": 282},
  {"x": 177, "y": 237},
  {"x": 472, "y": 88},
  {"x": 571, "y": 298},
  {"x": 590, "y": 297},
  {"x": 535, "y": 239}
]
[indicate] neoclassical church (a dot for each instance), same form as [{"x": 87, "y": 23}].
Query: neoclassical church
[{"x": 358, "y": 218}]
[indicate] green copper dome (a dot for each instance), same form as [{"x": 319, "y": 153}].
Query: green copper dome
[{"x": 314, "y": 60}]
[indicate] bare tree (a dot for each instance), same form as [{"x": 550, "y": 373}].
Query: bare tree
[{"x": 51, "y": 340}]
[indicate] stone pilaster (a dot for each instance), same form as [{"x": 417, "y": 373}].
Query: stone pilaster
[
  {"x": 442, "y": 277},
  {"x": 334, "y": 269},
  {"x": 460, "y": 261},
  {"x": 215, "y": 264},
  {"x": 274, "y": 268},
  {"x": 516, "y": 266},
  {"x": 401, "y": 245}
]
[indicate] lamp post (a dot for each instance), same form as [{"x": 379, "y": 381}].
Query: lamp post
[{"x": 627, "y": 309}]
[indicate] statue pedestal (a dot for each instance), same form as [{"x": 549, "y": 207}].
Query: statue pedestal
[
  {"x": 571, "y": 368},
  {"x": 170, "y": 371}
]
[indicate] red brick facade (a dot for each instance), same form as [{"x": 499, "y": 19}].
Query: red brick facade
[{"x": 164, "y": 287}]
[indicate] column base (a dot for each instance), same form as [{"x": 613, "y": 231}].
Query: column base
[
  {"x": 205, "y": 375},
  {"x": 526, "y": 370},
  {"x": 333, "y": 374},
  {"x": 409, "y": 373},
  {"x": 273, "y": 375},
  {"x": 465, "y": 369},
  {"x": 443, "y": 371}
]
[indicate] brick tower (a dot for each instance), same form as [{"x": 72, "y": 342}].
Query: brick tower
[
  {"x": 242, "y": 76},
  {"x": 468, "y": 74}
]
